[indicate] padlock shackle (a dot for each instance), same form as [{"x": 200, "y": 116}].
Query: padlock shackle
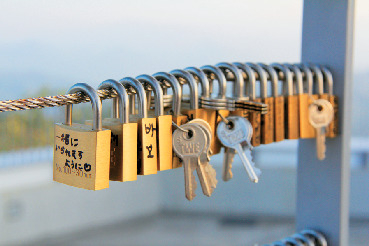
[
  {"x": 176, "y": 88},
  {"x": 317, "y": 78},
  {"x": 219, "y": 76},
  {"x": 328, "y": 80},
  {"x": 307, "y": 78},
  {"x": 262, "y": 78},
  {"x": 95, "y": 101},
  {"x": 273, "y": 78},
  {"x": 249, "y": 79},
  {"x": 238, "y": 88},
  {"x": 286, "y": 78},
  {"x": 122, "y": 108},
  {"x": 158, "y": 92},
  {"x": 194, "y": 101},
  {"x": 140, "y": 92},
  {"x": 202, "y": 79},
  {"x": 297, "y": 78}
]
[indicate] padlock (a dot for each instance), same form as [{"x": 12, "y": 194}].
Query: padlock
[
  {"x": 298, "y": 89},
  {"x": 123, "y": 152},
  {"x": 192, "y": 111},
  {"x": 332, "y": 129},
  {"x": 146, "y": 137},
  {"x": 163, "y": 123},
  {"x": 291, "y": 102},
  {"x": 214, "y": 73},
  {"x": 267, "y": 120},
  {"x": 238, "y": 87},
  {"x": 209, "y": 115},
  {"x": 279, "y": 128},
  {"x": 305, "y": 99},
  {"x": 82, "y": 152},
  {"x": 177, "y": 118},
  {"x": 250, "y": 93}
]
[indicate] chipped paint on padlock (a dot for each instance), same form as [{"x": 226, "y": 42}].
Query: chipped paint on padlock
[
  {"x": 82, "y": 152},
  {"x": 163, "y": 124},
  {"x": 146, "y": 136}
]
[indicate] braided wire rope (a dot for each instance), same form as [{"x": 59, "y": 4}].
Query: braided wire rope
[{"x": 62, "y": 100}]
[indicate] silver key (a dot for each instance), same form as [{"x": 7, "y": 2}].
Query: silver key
[
  {"x": 237, "y": 136},
  {"x": 205, "y": 171},
  {"x": 320, "y": 116},
  {"x": 189, "y": 146}
]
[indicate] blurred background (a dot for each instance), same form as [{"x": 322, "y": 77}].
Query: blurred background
[{"x": 47, "y": 46}]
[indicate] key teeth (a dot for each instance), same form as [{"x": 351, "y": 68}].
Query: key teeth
[{"x": 247, "y": 150}]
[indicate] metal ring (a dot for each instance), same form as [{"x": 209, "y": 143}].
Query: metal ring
[
  {"x": 178, "y": 73},
  {"x": 273, "y": 77},
  {"x": 262, "y": 78},
  {"x": 196, "y": 72},
  {"x": 288, "y": 80},
  {"x": 176, "y": 87},
  {"x": 140, "y": 92},
  {"x": 123, "y": 100},
  {"x": 219, "y": 76},
  {"x": 250, "y": 87},
  {"x": 96, "y": 105},
  {"x": 238, "y": 87},
  {"x": 158, "y": 92}
]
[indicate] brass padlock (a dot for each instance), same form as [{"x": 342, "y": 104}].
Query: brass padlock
[
  {"x": 123, "y": 152},
  {"x": 82, "y": 152},
  {"x": 291, "y": 102},
  {"x": 305, "y": 98},
  {"x": 214, "y": 73},
  {"x": 279, "y": 118},
  {"x": 146, "y": 137},
  {"x": 267, "y": 120},
  {"x": 250, "y": 93},
  {"x": 209, "y": 115},
  {"x": 332, "y": 129},
  {"x": 298, "y": 90},
  {"x": 163, "y": 123},
  {"x": 177, "y": 118}
]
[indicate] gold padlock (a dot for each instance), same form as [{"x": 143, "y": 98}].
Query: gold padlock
[
  {"x": 279, "y": 118},
  {"x": 163, "y": 123},
  {"x": 332, "y": 129},
  {"x": 291, "y": 102},
  {"x": 267, "y": 120},
  {"x": 305, "y": 98},
  {"x": 209, "y": 115},
  {"x": 82, "y": 154},
  {"x": 177, "y": 118},
  {"x": 146, "y": 137},
  {"x": 123, "y": 153},
  {"x": 250, "y": 93},
  {"x": 214, "y": 73}
]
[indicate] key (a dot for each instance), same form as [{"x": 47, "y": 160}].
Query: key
[
  {"x": 205, "y": 158},
  {"x": 320, "y": 116},
  {"x": 237, "y": 135},
  {"x": 189, "y": 146}
]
